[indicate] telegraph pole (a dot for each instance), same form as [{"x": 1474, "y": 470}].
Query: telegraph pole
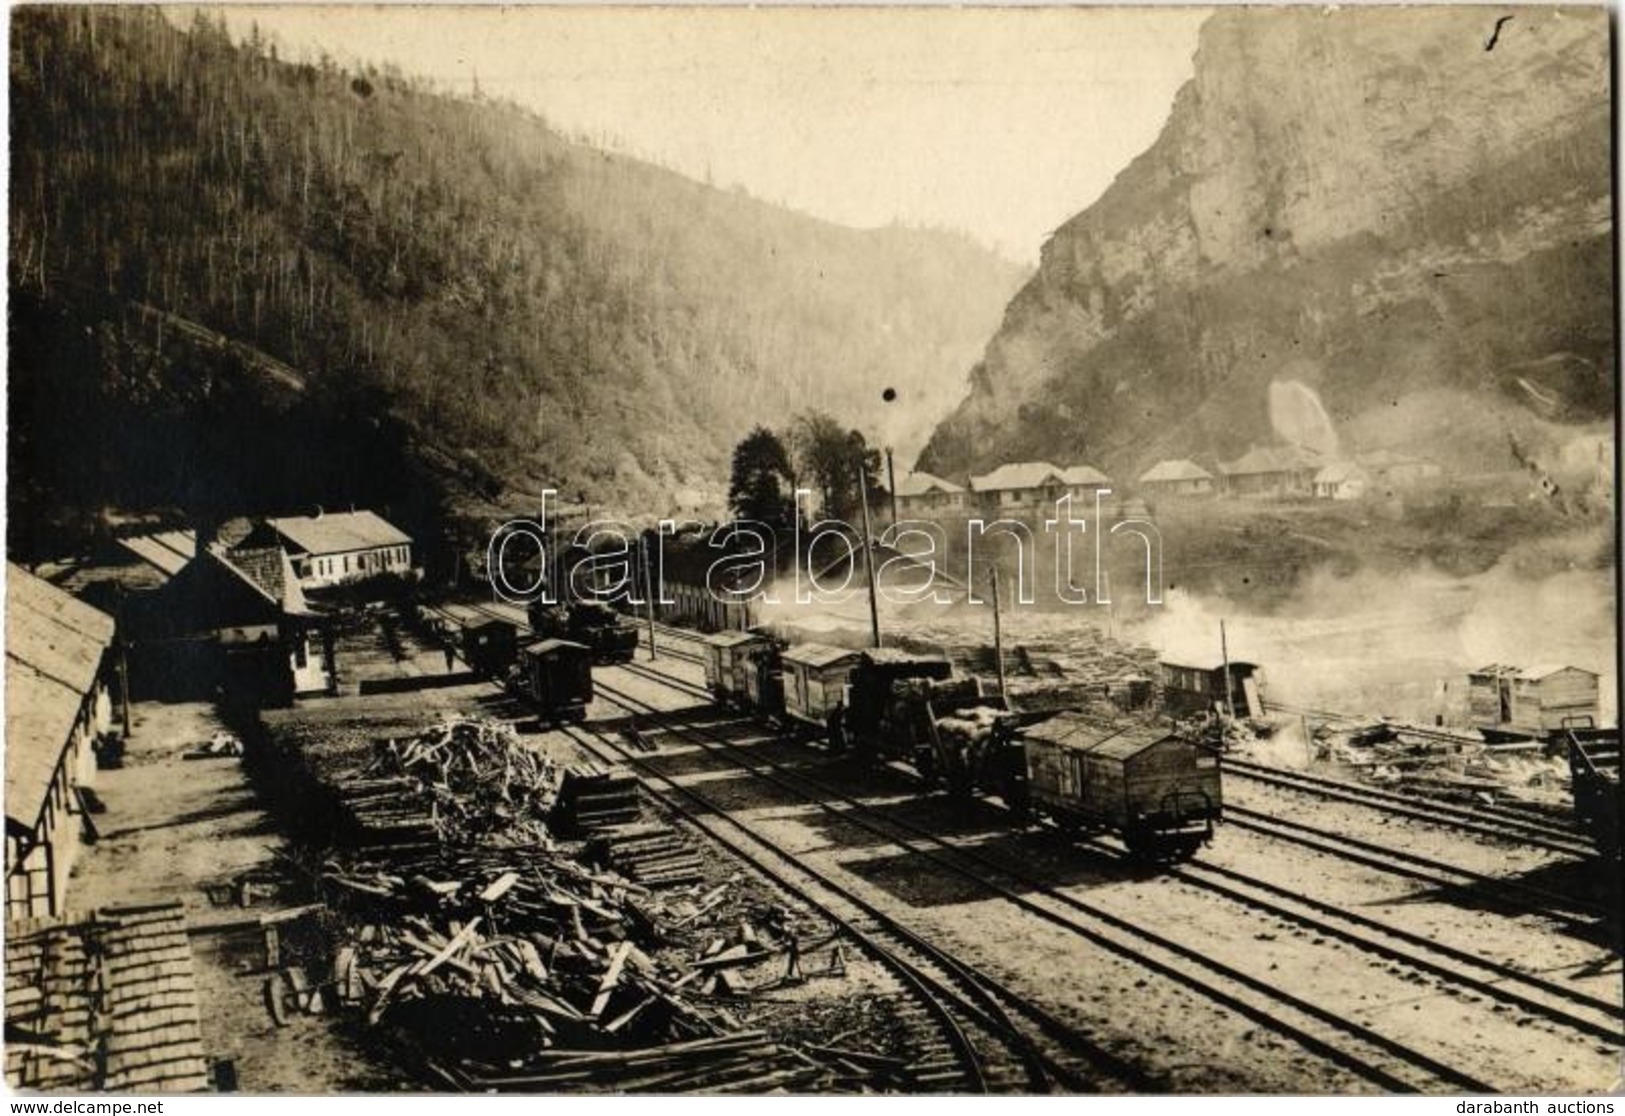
[
  {"x": 1224, "y": 654},
  {"x": 891, "y": 483},
  {"x": 868, "y": 555},
  {"x": 998, "y": 636},
  {"x": 648, "y": 589}
]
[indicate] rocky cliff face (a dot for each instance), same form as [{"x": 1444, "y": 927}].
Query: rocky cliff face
[{"x": 1377, "y": 203}]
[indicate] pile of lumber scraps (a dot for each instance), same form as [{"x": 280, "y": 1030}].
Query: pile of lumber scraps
[
  {"x": 592, "y": 798},
  {"x": 743, "y": 1062},
  {"x": 539, "y": 989},
  {"x": 653, "y": 855},
  {"x": 480, "y": 775}
]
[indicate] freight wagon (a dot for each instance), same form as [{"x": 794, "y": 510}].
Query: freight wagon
[
  {"x": 555, "y": 675},
  {"x": 1160, "y": 793}
]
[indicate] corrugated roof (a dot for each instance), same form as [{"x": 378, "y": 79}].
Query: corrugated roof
[
  {"x": 339, "y": 532},
  {"x": 1087, "y": 734},
  {"x": 818, "y": 654},
  {"x": 919, "y": 484},
  {"x": 54, "y": 646},
  {"x": 169, "y": 551},
  {"x": 109, "y": 1003},
  {"x": 1181, "y": 470}
]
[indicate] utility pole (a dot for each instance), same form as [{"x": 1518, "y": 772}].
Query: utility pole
[
  {"x": 868, "y": 555},
  {"x": 891, "y": 483},
  {"x": 1224, "y": 654},
  {"x": 648, "y": 589},
  {"x": 998, "y": 635}
]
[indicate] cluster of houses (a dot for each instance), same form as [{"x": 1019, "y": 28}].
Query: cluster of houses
[
  {"x": 1280, "y": 472},
  {"x": 107, "y": 999},
  {"x": 172, "y": 615}
]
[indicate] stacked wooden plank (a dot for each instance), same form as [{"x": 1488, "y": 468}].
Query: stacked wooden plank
[
  {"x": 388, "y": 811},
  {"x": 592, "y": 797},
  {"x": 653, "y": 855},
  {"x": 109, "y": 1002},
  {"x": 743, "y": 1062}
]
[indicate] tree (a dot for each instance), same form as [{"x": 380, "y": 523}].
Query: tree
[
  {"x": 829, "y": 457},
  {"x": 763, "y": 481}
]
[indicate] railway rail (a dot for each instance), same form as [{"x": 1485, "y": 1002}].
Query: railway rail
[
  {"x": 1465, "y": 818},
  {"x": 1496, "y": 980},
  {"x": 965, "y": 1004},
  {"x": 1361, "y": 1050}
]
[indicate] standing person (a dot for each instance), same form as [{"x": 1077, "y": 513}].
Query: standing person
[{"x": 451, "y": 654}]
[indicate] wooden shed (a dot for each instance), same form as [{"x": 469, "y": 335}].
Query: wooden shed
[
  {"x": 1197, "y": 685},
  {"x": 815, "y": 679},
  {"x": 1533, "y": 700}
]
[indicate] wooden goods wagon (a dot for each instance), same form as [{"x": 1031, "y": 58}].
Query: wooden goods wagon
[
  {"x": 490, "y": 647},
  {"x": 815, "y": 680},
  {"x": 729, "y": 662},
  {"x": 556, "y": 675},
  {"x": 1160, "y": 793}
]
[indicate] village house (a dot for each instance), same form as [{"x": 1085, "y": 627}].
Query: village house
[
  {"x": 57, "y": 704},
  {"x": 1342, "y": 480},
  {"x": 1275, "y": 471},
  {"x": 1176, "y": 478},
  {"x": 332, "y": 548},
  {"x": 923, "y": 496},
  {"x": 1034, "y": 486},
  {"x": 223, "y": 619}
]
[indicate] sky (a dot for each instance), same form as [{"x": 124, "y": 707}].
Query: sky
[{"x": 1002, "y": 123}]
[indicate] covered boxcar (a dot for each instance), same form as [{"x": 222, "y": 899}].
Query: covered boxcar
[
  {"x": 815, "y": 680},
  {"x": 489, "y": 647},
  {"x": 731, "y": 661},
  {"x": 1160, "y": 793},
  {"x": 556, "y": 676}
]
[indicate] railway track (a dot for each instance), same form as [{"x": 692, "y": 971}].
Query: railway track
[
  {"x": 1361, "y": 1050},
  {"x": 1509, "y": 895},
  {"x": 1468, "y": 819},
  {"x": 974, "y": 1044}
]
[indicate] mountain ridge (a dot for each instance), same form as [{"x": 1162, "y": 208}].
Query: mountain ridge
[{"x": 1366, "y": 201}]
